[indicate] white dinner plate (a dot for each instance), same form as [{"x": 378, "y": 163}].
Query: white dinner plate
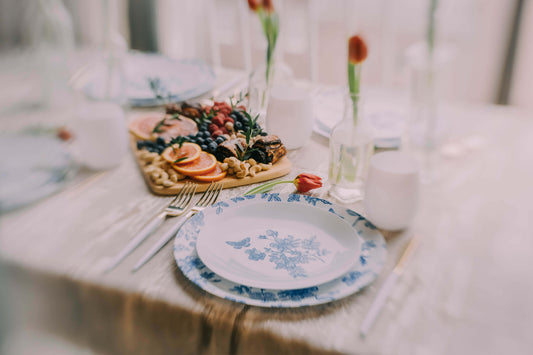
[
  {"x": 371, "y": 257},
  {"x": 36, "y": 166},
  {"x": 181, "y": 79},
  {"x": 283, "y": 245}
]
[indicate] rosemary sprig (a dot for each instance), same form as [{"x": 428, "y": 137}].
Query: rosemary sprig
[
  {"x": 159, "y": 125},
  {"x": 206, "y": 117},
  {"x": 245, "y": 154},
  {"x": 179, "y": 142},
  {"x": 240, "y": 99}
]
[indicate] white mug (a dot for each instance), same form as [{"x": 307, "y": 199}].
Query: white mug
[
  {"x": 391, "y": 193},
  {"x": 101, "y": 134},
  {"x": 289, "y": 115}
]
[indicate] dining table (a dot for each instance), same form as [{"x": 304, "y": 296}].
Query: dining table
[{"x": 467, "y": 289}]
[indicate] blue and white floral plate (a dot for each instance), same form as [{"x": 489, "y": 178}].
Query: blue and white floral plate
[
  {"x": 371, "y": 254},
  {"x": 282, "y": 245}
]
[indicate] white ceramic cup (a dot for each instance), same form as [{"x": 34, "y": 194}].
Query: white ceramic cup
[
  {"x": 101, "y": 134},
  {"x": 391, "y": 192},
  {"x": 289, "y": 115}
]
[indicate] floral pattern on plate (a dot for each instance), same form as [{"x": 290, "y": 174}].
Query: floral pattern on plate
[{"x": 370, "y": 262}]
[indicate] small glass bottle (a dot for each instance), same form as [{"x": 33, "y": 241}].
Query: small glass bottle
[{"x": 350, "y": 148}]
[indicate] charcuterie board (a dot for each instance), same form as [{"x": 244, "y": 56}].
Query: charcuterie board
[
  {"x": 205, "y": 143},
  {"x": 280, "y": 168}
]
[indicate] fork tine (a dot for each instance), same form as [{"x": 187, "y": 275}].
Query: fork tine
[
  {"x": 216, "y": 193},
  {"x": 183, "y": 194},
  {"x": 208, "y": 198},
  {"x": 191, "y": 193},
  {"x": 176, "y": 200},
  {"x": 205, "y": 195}
]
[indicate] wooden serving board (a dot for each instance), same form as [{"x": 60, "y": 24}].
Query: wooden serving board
[{"x": 280, "y": 168}]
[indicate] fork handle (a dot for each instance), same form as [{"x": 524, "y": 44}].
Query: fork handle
[
  {"x": 137, "y": 240},
  {"x": 162, "y": 242}
]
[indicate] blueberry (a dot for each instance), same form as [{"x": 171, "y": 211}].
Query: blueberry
[
  {"x": 220, "y": 139},
  {"x": 238, "y": 126},
  {"x": 212, "y": 146},
  {"x": 232, "y": 115},
  {"x": 205, "y": 134},
  {"x": 208, "y": 140},
  {"x": 199, "y": 140},
  {"x": 238, "y": 115},
  {"x": 203, "y": 126},
  {"x": 140, "y": 145},
  {"x": 203, "y": 146},
  {"x": 191, "y": 136},
  {"x": 160, "y": 141},
  {"x": 263, "y": 133},
  {"x": 152, "y": 150},
  {"x": 257, "y": 126}
]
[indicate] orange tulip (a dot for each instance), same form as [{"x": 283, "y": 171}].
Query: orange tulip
[
  {"x": 268, "y": 6},
  {"x": 357, "y": 51},
  {"x": 253, "y": 4}
]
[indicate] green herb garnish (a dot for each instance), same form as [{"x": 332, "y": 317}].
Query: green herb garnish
[
  {"x": 240, "y": 99},
  {"x": 180, "y": 159},
  {"x": 159, "y": 125}
]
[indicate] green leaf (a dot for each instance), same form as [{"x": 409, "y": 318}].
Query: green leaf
[
  {"x": 180, "y": 159},
  {"x": 266, "y": 187}
]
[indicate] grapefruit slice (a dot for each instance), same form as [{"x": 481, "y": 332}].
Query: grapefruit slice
[
  {"x": 143, "y": 127},
  {"x": 187, "y": 153},
  {"x": 204, "y": 164},
  {"x": 214, "y": 175}
]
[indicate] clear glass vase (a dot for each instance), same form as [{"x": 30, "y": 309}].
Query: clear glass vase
[
  {"x": 426, "y": 126},
  {"x": 350, "y": 148},
  {"x": 259, "y": 87}
]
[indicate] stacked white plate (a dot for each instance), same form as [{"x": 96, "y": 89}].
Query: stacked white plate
[
  {"x": 279, "y": 250},
  {"x": 181, "y": 79}
]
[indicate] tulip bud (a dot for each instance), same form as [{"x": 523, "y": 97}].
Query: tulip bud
[
  {"x": 357, "y": 51},
  {"x": 253, "y": 5},
  {"x": 268, "y": 6},
  {"x": 306, "y": 182}
]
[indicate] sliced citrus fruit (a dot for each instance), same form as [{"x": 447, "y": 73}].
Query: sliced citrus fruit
[
  {"x": 143, "y": 127},
  {"x": 214, "y": 175},
  {"x": 204, "y": 164},
  {"x": 187, "y": 153}
]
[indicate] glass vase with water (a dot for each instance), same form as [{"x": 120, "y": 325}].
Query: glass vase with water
[{"x": 350, "y": 148}]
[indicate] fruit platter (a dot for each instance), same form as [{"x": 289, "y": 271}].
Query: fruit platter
[{"x": 219, "y": 141}]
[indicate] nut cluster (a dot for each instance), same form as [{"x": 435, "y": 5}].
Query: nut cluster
[
  {"x": 241, "y": 169},
  {"x": 160, "y": 171}
]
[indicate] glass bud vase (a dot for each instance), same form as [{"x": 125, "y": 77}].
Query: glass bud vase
[
  {"x": 259, "y": 87},
  {"x": 350, "y": 148}
]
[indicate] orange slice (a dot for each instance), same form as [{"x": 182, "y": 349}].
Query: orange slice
[
  {"x": 204, "y": 164},
  {"x": 188, "y": 152},
  {"x": 214, "y": 175}
]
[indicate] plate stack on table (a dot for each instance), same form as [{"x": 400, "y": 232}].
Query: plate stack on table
[
  {"x": 175, "y": 80},
  {"x": 279, "y": 250}
]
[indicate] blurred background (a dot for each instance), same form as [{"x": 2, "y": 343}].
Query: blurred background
[
  {"x": 488, "y": 43},
  {"x": 486, "y": 48}
]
